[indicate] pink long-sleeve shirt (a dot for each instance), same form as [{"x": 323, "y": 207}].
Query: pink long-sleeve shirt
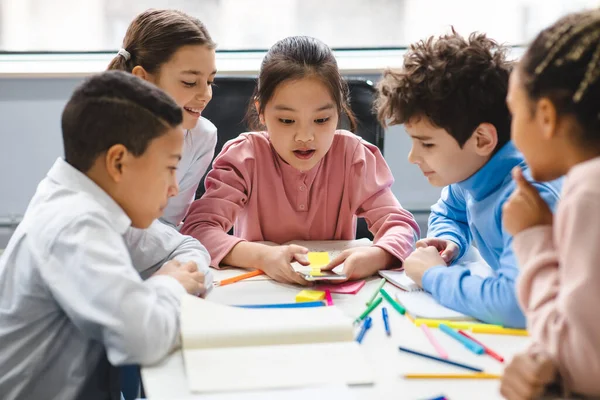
[
  {"x": 559, "y": 285},
  {"x": 266, "y": 199}
]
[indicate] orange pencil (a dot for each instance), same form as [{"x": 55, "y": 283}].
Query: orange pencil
[{"x": 239, "y": 278}]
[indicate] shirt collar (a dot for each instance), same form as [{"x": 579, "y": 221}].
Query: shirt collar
[
  {"x": 493, "y": 173},
  {"x": 68, "y": 176}
]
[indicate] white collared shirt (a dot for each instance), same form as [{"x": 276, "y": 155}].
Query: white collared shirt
[
  {"x": 198, "y": 150},
  {"x": 71, "y": 303}
]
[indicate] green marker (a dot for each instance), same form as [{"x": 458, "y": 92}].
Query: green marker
[
  {"x": 393, "y": 302},
  {"x": 379, "y": 286},
  {"x": 369, "y": 309}
]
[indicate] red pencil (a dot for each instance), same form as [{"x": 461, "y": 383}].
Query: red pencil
[{"x": 487, "y": 350}]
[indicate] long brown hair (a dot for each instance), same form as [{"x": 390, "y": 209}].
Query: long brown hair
[{"x": 155, "y": 35}]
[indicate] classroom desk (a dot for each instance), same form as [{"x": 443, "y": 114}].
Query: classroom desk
[{"x": 167, "y": 380}]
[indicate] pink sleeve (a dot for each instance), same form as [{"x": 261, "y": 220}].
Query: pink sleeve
[
  {"x": 394, "y": 229},
  {"x": 211, "y": 217},
  {"x": 559, "y": 291}
]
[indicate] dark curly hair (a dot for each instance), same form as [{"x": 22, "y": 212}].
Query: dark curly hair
[
  {"x": 455, "y": 83},
  {"x": 563, "y": 65}
]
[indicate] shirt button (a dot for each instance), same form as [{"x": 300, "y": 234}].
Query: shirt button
[
  {"x": 301, "y": 188},
  {"x": 302, "y": 206}
]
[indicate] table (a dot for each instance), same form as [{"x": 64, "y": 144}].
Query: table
[{"x": 166, "y": 380}]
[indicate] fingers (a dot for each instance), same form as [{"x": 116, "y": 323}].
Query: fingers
[
  {"x": 295, "y": 249},
  {"x": 336, "y": 261},
  {"x": 292, "y": 276},
  {"x": 422, "y": 243},
  {"x": 435, "y": 242},
  {"x": 450, "y": 252},
  {"x": 523, "y": 184},
  {"x": 190, "y": 266},
  {"x": 545, "y": 370},
  {"x": 300, "y": 258}
]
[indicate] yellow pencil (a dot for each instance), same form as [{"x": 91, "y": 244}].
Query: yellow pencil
[
  {"x": 478, "y": 375},
  {"x": 434, "y": 323},
  {"x": 494, "y": 330}
]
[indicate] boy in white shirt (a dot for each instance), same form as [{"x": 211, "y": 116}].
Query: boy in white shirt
[{"x": 72, "y": 305}]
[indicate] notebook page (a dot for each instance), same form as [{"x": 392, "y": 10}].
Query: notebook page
[
  {"x": 205, "y": 324},
  {"x": 400, "y": 279},
  {"x": 421, "y": 304},
  {"x": 321, "y": 392},
  {"x": 271, "y": 367}
]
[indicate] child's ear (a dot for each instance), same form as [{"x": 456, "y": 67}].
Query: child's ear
[
  {"x": 261, "y": 117},
  {"x": 116, "y": 158},
  {"x": 546, "y": 117},
  {"x": 486, "y": 139},
  {"x": 140, "y": 72}
]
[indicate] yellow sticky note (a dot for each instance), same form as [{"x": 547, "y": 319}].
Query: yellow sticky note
[
  {"x": 318, "y": 259},
  {"x": 315, "y": 272},
  {"x": 309, "y": 295}
]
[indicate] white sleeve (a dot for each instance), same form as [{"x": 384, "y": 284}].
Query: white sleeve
[
  {"x": 152, "y": 247},
  {"x": 90, "y": 275},
  {"x": 179, "y": 205}
]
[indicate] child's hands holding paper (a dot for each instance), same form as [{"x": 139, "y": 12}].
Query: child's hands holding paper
[
  {"x": 361, "y": 262},
  {"x": 447, "y": 248},
  {"x": 275, "y": 261}
]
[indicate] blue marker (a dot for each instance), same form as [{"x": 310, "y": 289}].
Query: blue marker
[
  {"x": 386, "y": 321},
  {"x": 364, "y": 328},
  {"x": 468, "y": 343},
  {"x": 306, "y": 304}
]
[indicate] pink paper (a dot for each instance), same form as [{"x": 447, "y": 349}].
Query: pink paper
[{"x": 343, "y": 288}]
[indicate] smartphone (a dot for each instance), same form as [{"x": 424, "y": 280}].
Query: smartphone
[{"x": 323, "y": 276}]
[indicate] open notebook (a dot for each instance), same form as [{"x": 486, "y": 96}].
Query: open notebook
[
  {"x": 399, "y": 279},
  {"x": 421, "y": 304},
  {"x": 230, "y": 349}
]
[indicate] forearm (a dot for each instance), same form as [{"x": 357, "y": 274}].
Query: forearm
[{"x": 246, "y": 255}]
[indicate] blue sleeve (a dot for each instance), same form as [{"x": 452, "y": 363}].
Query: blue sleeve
[
  {"x": 491, "y": 299},
  {"x": 448, "y": 219}
]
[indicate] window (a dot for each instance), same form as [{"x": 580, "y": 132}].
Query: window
[{"x": 99, "y": 25}]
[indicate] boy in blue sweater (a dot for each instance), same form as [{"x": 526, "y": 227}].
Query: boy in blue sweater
[{"x": 451, "y": 97}]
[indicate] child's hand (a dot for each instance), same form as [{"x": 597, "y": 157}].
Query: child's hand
[
  {"x": 449, "y": 249},
  {"x": 361, "y": 262},
  {"x": 187, "y": 275},
  {"x": 420, "y": 261},
  {"x": 525, "y": 208},
  {"x": 526, "y": 376},
  {"x": 276, "y": 263}
]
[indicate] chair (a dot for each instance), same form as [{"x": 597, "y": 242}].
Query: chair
[{"x": 231, "y": 96}]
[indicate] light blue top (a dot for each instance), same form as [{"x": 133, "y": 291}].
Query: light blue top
[{"x": 470, "y": 212}]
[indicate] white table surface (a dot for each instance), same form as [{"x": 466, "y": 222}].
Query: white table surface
[{"x": 167, "y": 380}]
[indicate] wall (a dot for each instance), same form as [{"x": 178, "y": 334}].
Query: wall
[{"x": 30, "y": 141}]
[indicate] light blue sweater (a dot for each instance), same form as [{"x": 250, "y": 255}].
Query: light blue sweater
[{"x": 470, "y": 212}]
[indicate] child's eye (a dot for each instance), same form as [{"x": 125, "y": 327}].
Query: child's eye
[
  {"x": 321, "y": 120},
  {"x": 286, "y": 121},
  {"x": 173, "y": 168},
  {"x": 210, "y": 83},
  {"x": 427, "y": 145},
  {"x": 189, "y": 84}
]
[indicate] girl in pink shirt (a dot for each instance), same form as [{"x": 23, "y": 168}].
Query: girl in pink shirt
[
  {"x": 298, "y": 177},
  {"x": 554, "y": 96}
]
